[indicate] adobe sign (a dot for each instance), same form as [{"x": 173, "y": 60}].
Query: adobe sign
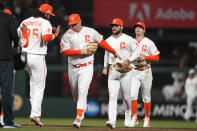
[{"x": 155, "y": 13}]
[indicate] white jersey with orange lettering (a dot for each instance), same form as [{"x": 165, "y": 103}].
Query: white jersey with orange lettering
[
  {"x": 125, "y": 46},
  {"x": 36, "y": 65},
  {"x": 77, "y": 41},
  {"x": 147, "y": 48},
  {"x": 80, "y": 67},
  {"x": 143, "y": 77},
  {"x": 37, "y": 27}
]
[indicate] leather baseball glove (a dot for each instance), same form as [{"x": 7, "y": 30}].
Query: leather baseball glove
[
  {"x": 91, "y": 48},
  {"x": 122, "y": 69},
  {"x": 140, "y": 63},
  {"x": 20, "y": 59}
]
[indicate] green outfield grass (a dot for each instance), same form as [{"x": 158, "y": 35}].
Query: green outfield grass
[{"x": 88, "y": 122}]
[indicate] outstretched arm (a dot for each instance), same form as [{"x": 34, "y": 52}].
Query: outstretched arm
[{"x": 107, "y": 47}]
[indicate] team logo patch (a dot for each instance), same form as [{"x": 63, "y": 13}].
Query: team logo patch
[
  {"x": 72, "y": 18},
  {"x": 48, "y": 11}
]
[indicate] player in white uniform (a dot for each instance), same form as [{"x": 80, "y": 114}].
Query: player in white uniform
[
  {"x": 191, "y": 93},
  {"x": 127, "y": 49},
  {"x": 39, "y": 34},
  {"x": 143, "y": 77},
  {"x": 80, "y": 65}
]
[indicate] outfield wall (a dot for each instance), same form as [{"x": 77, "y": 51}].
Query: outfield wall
[{"x": 62, "y": 105}]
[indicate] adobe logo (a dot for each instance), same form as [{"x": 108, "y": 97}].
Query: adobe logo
[{"x": 140, "y": 12}]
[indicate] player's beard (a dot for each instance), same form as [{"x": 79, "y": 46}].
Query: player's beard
[{"x": 117, "y": 33}]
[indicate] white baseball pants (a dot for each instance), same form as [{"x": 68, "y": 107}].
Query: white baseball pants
[
  {"x": 36, "y": 67},
  {"x": 191, "y": 97},
  {"x": 144, "y": 79},
  {"x": 115, "y": 81},
  {"x": 80, "y": 79}
]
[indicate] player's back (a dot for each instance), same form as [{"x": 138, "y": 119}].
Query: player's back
[{"x": 37, "y": 27}]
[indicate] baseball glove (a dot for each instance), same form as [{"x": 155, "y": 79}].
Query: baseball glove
[
  {"x": 140, "y": 63},
  {"x": 20, "y": 59},
  {"x": 91, "y": 48},
  {"x": 122, "y": 69}
]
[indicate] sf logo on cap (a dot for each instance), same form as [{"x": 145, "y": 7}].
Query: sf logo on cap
[
  {"x": 73, "y": 18},
  {"x": 48, "y": 12}
]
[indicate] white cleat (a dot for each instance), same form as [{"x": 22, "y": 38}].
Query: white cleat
[
  {"x": 134, "y": 121},
  {"x": 146, "y": 122},
  {"x": 1, "y": 121},
  {"x": 111, "y": 126},
  {"x": 127, "y": 123},
  {"x": 77, "y": 122}
]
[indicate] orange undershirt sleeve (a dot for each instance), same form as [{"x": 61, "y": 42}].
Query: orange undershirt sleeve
[
  {"x": 106, "y": 46},
  {"x": 47, "y": 37},
  {"x": 25, "y": 35},
  {"x": 71, "y": 52},
  {"x": 152, "y": 58}
]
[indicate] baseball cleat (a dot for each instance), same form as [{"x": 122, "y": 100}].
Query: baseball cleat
[
  {"x": 111, "y": 126},
  {"x": 36, "y": 121},
  {"x": 127, "y": 122},
  {"x": 146, "y": 122},
  {"x": 77, "y": 123},
  {"x": 134, "y": 121},
  {"x": 1, "y": 122}
]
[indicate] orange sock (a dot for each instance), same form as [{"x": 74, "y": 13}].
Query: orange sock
[
  {"x": 134, "y": 107},
  {"x": 147, "y": 108},
  {"x": 79, "y": 112}
]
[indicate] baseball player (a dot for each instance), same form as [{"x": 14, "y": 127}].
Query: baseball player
[
  {"x": 39, "y": 34},
  {"x": 127, "y": 49},
  {"x": 74, "y": 44},
  {"x": 191, "y": 93},
  {"x": 142, "y": 77}
]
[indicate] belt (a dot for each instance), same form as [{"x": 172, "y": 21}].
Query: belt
[
  {"x": 82, "y": 65},
  {"x": 147, "y": 67}
]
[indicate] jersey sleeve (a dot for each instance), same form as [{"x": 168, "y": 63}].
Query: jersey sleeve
[
  {"x": 97, "y": 37},
  {"x": 153, "y": 49},
  {"x": 106, "y": 59},
  {"x": 134, "y": 49},
  {"x": 19, "y": 32},
  {"x": 64, "y": 44},
  {"x": 186, "y": 87},
  {"x": 22, "y": 40},
  {"x": 132, "y": 44},
  {"x": 46, "y": 28}
]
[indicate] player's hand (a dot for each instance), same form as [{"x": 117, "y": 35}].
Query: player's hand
[
  {"x": 141, "y": 57},
  {"x": 126, "y": 63},
  {"x": 104, "y": 71},
  {"x": 58, "y": 29},
  {"x": 24, "y": 27},
  {"x": 117, "y": 56}
]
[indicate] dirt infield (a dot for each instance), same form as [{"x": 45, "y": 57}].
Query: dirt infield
[{"x": 107, "y": 129}]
